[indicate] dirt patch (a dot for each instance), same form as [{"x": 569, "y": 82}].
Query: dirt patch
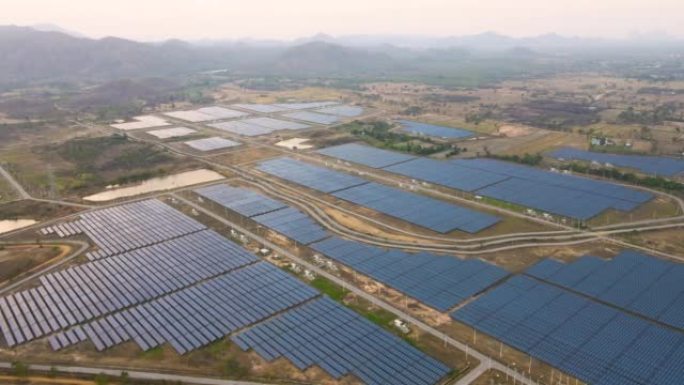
[
  {"x": 512, "y": 130},
  {"x": 16, "y": 260}
]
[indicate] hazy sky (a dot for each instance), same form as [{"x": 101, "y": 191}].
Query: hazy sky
[{"x": 284, "y": 19}]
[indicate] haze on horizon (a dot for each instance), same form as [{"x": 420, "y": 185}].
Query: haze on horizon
[{"x": 273, "y": 19}]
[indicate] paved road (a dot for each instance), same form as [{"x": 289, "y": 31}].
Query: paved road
[
  {"x": 133, "y": 374},
  {"x": 15, "y": 185},
  {"x": 472, "y": 375},
  {"x": 370, "y": 298}
]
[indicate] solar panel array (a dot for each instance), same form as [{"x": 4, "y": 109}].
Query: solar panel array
[
  {"x": 293, "y": 224},
  {"x": 438, "y": 281},
  {"x": 341, "y": 342},
  {"x": 342, "y": 110},
  {"x": 427, "y": 212},
  {"x": 434, "y": 130},
  {"x": 205, "y": 114},
  {"x": 172, "y": 132},
  {"x": 305, "y": 105},
  {"x": 658, "y": 165},
  {"x": 143, "y": 121},
  {"x": 421, "y": 210},
  {"x": 447, "y": 174},
  {"x": 81, "y": 293},
  {"x": 596, "y": 343},
  {"x": 198, "y": 315},
  {"x": 125, "y": 227},
  {"x": 368, "y": 156},
  {"x": 257, "y": 126},
  {"x": 243, "y": 201},
  {"x": 637, "y": 282},
  {"x": 313, "y": 117},
  {"x": 315, "y": 177},
  {"x": 262, "y": 108},
  {"x": 211, "y": 144}
]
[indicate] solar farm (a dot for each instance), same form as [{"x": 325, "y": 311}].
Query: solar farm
[
  {"x": 420, "y": 210},
  {"x": 205, "y": 114},
  {"x": 257, "y": 126},
  {"x": 211, "y": 144},
  {"x": 175, "y": 132},
  {"x": 440, "y": 282},
  {"x": 161, "y": 278},
  {"x": 551, "y": 192},
  {"x": 340, "y": 247},
  {"x": 434, "y": 130},
  {"x": 653, "y": 165}
]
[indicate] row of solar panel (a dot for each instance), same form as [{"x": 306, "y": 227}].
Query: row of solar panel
[
  {"x": 205, "y": 114},
  {"x": 637, "y": 282},
  {"x": 341, "y": 342},
  {"x": 593, "y": 342},
  {"x": 437, "y": 281},
  {"x": 212, "y": 144},
  {"x": 86, "y": 291},
  {"x": 126, "y": 227},
  {"x": 280, "y": 107},
  {"x": 421, "y": 210},
  {"x": 257, "y": 126},
  {"x": 435, "y": 130},
  {"x": 273, "y": 214},
  {"x": 198, "y": 315},
  {"x": 658, "y": 165},
  {"x": 550, "y": 192}
]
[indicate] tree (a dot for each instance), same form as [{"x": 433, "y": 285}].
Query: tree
[
  {"x": 101, "y": 379},
  {"x": 20, "y": 369}
]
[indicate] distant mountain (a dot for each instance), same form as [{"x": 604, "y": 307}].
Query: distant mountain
[
  {"x": 319, "y": 58},
  {"x": 48, "y": 27},
  {"x": 31, "y": 55}
]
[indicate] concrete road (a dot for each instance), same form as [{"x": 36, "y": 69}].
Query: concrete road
[
  {"x": 132, "y": 374},
  {"x": 15, "y": 185}
]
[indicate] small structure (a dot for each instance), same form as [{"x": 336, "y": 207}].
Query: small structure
[{"x": 401, "y": 325}]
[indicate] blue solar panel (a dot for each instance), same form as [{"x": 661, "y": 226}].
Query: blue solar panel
[
  {"x": 341, "y": 342},
  {"x": 447, "y": 174},
  {"x": 637, "y": 282},
  {"x": 195, "y": 316},
  {"x": 368, "y": 156},
  {"x": 658, "y": 165},
  {"x": 316, "y": 177},
  {"x": 427, "y": 212},
  {"x": 434, "y": 130},
  {"x": 294, "y": 224},
  {"x": 243, "y": 201},
  {"x": 93, "y": 289},
  {"x": 555, "y": 193},
  {"x": 590, "y": 341},
  {"x": 438, "y": 281}
]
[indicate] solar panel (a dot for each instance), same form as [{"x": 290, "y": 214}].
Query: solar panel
[
  {"x": 196, "y": 316},
  {"x": 342, "y": 110},
  {"x": 316, "y": 177},
  {"x": 294, "y": 224},
  {"x": 243, "y": 201},
  {"x": 657, "y": 165},
  {"x": 633, "y": 281},
  {"x": 221, "y": 112},
  {"x": 211, "y": 144},
  {"x": 172, "y": 132},
  {"x": 341, "y": 342},
  {"x": 81, "y": 293},
  {"x": 262, "y": 108},
  {"x": 440, "y": 282},
  {"x": 590, "y": 341},
  {"x": 367, "y": 156},
  {"x": 192, "y": 116},
  {"x": 313, "y": 117},
  {"x": 305, "y": 106},
  {"x": 143, "y": 121},
  {"x": 424, "y": 211},
  {"x": 434, "y": 130},
  {"x": 128, "y": 226}
]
